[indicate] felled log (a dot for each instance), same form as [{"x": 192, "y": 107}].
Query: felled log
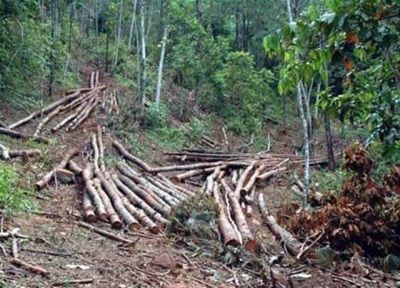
[
  {"x": 113, "y": 217},
  {"x": 193, "y": 173},
  {"x": 269, "y": 174},
  {"x": 32, "y": 268},
  {"x": 240, "y": 219},
  {"x": 69, "y": 118},
  {"x": 112, "y": 193},
  {"x": 47, "y": 178},
  {"x": 88, "y": 209},
  {"x": 45, "y": 120},
  {"x": 87, "y": 175},
  {"x": 85, "y": 97},
  {"x": 253, "y": 178},
  {"x": 228, "y": 233},
  {"x": 185, "y": 167},
  {"x": 290, "y": 242},
  {"x": 85, "y": 115},
  {"x": 136, "y": 200},
  {"x": 24, "y": 153},
  {"x": 64, "y": 176},
  {"x": 160, "y": 196},
  {"x": 177, "y": 187},
  {"x": 162, "y": 208},
  {"x": 175, "y": 194},
  {"x": 104, "y": 233},
  {"x": 18, "y": 135},
  {"x": 242, "y": 179},
  {"x": 130, "y": 157},
  {"x": 100, "y": 144},
  {"x": 140, "y": 215},
  {"x": 74, "y": 167},
  {"x": 44, "y": 111}
]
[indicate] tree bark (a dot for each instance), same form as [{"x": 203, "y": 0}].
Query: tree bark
[{"x": 160, "y": 66}]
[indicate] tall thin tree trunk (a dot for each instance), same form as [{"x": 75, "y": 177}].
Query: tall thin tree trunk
[
  {"x": 300, "y": 100},
  {"x": 143, "y": 55},
  {"x": 53, "y": 47},
  {"x": 119, "y": 33},
  {"x": 301, "y": 97},
  {"x": 107, "y": 46},
  {"x": 132, "y": 24},
  {"x": 71, "y": 15},
  {"x": 329, "y": 143},
  {"x": 160, "y": 66}
]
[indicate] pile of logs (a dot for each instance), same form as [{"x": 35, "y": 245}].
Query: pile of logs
[
  {"x": 75, "y": 107},
  {"x": 124, "y": 196},
  {"x": 231, "y": 178}
]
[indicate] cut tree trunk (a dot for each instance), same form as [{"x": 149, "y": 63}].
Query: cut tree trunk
[
  {"x": 47, "y": 178},
  {"x": 240, "y": 219},
  {"x": 87, "y": 176},
  {"x": 292, "y": 244},
  {"x": 130, "y": 157},
  {"x": 136, "y": 200},
  {"x": 228, "y": 233},
  {"x": 18, "y": 135},
  {"x": 112, "y": 192},
  {"x": 113, "y": 217}
]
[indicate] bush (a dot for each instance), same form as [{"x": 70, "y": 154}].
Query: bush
[
  {"x": 156, "y": 115},
  {"x": 12, "y": 198}
]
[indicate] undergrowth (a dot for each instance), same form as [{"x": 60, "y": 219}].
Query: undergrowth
[{"x": 12, "y": 198}]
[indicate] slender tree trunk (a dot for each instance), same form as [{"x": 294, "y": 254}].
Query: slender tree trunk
[
  {"x": 160, "y": 67},
  {"x": 301, "y": 97},
  {"x": 133, "y": 21},
  {"x": 143, "y": 55},
  {"x": 107, "y": 46},
  {"x": 119, "y": 33},
  {"x": 329, "y": 143},
  {"x": 71, "y": 15},
  {"x": 53, "y": 47},
  {"x": 198, "y": 51}
]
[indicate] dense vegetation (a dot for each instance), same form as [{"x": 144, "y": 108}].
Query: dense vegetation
[{"x": 243, "y": 62}]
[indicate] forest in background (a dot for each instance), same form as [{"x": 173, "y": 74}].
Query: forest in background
[
  {"x": 249, "y": 63},
  {"x": 293, "y": 77}
]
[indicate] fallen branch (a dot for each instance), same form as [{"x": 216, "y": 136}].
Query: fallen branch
[
  {"x": 291, "y": 243},
  {"x": 67, "y": 283},
  {"x": 104, "y": 233},
  {"x": 18, "y": 135},
  {"x": 29, "y": 267}
]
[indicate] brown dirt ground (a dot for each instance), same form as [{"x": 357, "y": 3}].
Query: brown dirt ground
[{"x": 152, "y": 261}]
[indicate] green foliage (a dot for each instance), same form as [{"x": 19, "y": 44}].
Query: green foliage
[
  {"x": 168, "y": 137},
  {"x": 12, "y": 198},
  {"x": 197, "y": 130},
  {"x": 156, "y": 115},
  {"x": 349, "y": 48},
  {"x": 247, "y": 94},
  {"x": 326, "y": 181}
]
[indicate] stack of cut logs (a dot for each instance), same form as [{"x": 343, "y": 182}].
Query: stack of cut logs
[
  {"x": 76, "y": 107},
  {"x": 231, "y": 178},
  {"x": 124, "y": 197}
]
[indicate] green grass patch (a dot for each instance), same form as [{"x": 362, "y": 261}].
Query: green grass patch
[{"x": 12, "y": 197}]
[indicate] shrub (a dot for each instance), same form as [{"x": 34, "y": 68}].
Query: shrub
[{"x": 156, "y": 115}]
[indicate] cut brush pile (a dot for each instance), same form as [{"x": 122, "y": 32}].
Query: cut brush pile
[{"x": 363, "y": 219}]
